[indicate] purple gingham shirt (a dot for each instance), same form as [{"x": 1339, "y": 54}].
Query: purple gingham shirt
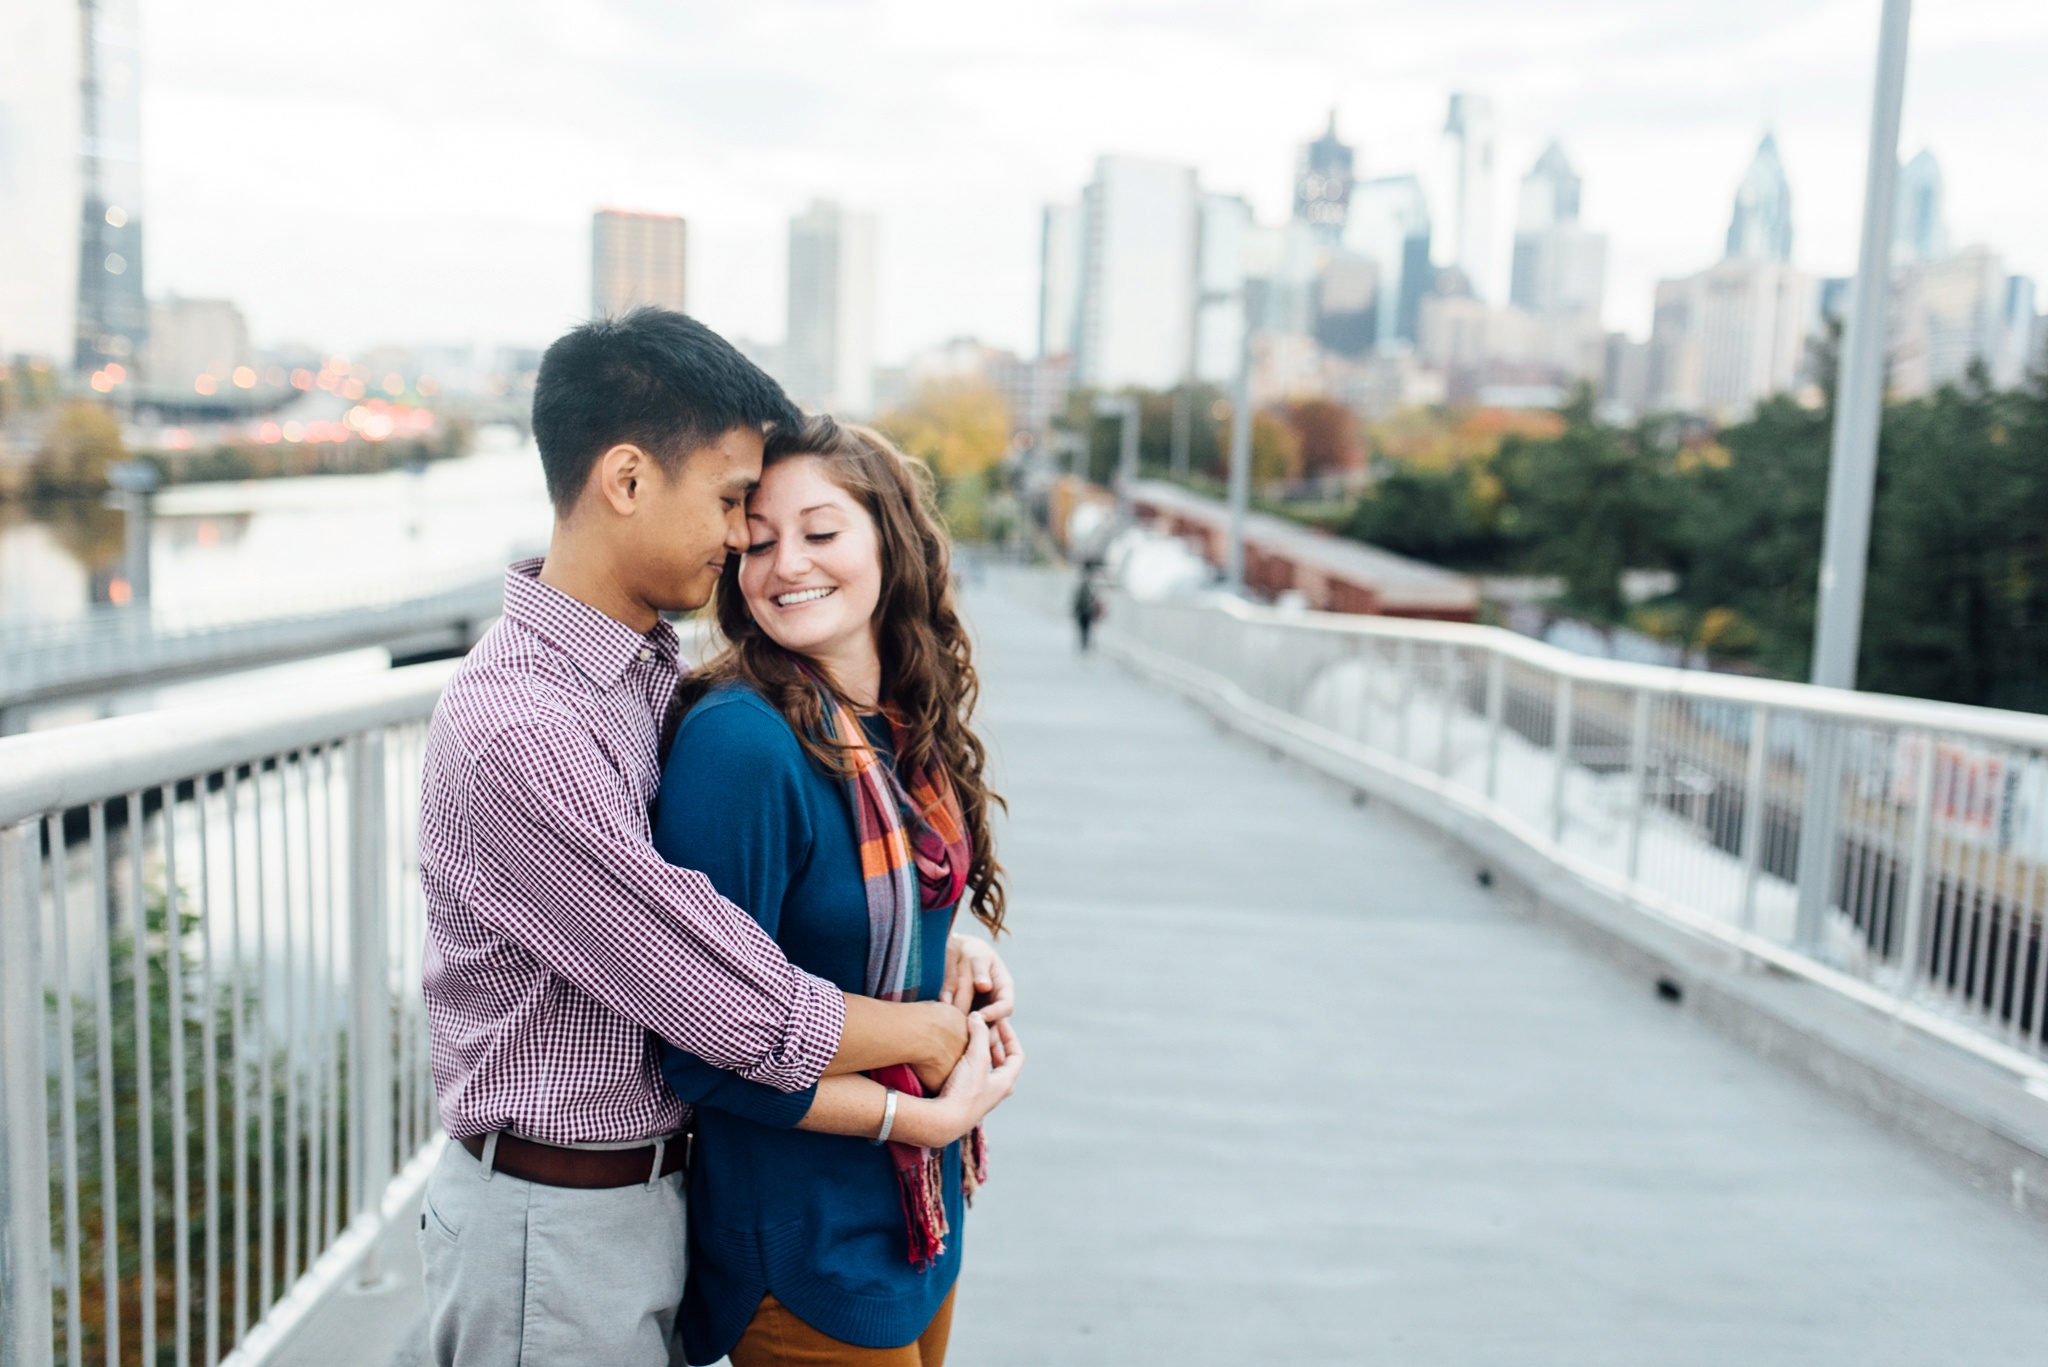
[{"x": 557, "y": 939}]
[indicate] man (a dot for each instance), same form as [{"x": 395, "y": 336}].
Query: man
[{"x": 557, "y": 939}]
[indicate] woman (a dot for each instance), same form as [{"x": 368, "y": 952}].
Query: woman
[{"x": 825, "y": 778}]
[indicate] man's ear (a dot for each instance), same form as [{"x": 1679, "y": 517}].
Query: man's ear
[{"x": 620, "y": 476}]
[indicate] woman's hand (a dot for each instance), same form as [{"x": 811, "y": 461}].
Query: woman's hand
[
  {"x": 978, "y": 1084},
  {"x": 978, "y": 979}
]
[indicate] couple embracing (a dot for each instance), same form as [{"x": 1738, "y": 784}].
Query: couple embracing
[{"x": 690, "y": 944}]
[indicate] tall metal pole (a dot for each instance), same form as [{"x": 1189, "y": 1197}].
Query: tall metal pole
[
  {"x": 1852, "y": 480},
  {"x": 1240, "y": 464},
  {"x": 1183, "y": 430},
  {"x": 1859, "y": 393}
]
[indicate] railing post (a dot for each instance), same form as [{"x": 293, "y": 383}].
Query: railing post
[
  {"x": 1496, "y": 690},
  {"x": 1451, "y": 681},
  {"x": 1753, "y": 809},
  {"x": 1404, "y": 667},
  {"x": 1818, "y": 813},
  {"x": 1638, "y": 773},
  {"x": 369, "y": 1081},
  {"x": 26, "y": 1335},
  {"x": 1561, "y": 745},
  {"x": 1916, "y": 876}
]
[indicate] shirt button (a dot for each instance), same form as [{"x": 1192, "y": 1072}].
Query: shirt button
[{"x": 645, "y": 653}]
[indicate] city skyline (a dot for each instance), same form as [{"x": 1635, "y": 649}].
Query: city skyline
[{"x": 954, "y": 130}]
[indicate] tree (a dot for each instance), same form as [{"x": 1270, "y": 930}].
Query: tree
[
  {"x": 1431, "y": 514},
  {"x": 1329, "y": 437},
  {"x": 957, "y": 427},
  {"x": 1586, "y": 505},
  {"x": 77, "y": 448}
]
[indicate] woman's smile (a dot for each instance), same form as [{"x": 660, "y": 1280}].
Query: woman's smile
[{"x": 796, "y": 598}]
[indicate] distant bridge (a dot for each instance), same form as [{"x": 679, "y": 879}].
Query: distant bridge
[{"x": 46, "y": 663}]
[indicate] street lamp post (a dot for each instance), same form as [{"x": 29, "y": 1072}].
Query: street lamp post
[
  {"x": 1125, "y": 409},
  {"x": 1852, "y": 477},
  {"x": 1240, "y": 463},
  {"x": 133, "y": 491}
]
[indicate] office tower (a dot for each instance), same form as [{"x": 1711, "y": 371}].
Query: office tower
[
  {"x": 637, "y": 259},
  {"x": 1138, "y": 274},
  {"x": 1226, "y": 220},
  {"x": 1761, "y": 229},
  {"x": 39, "y": 178},
  {"x": 1389, "y": 225},
  {"x": 1322, "y": 181},
  {"x": 830, "y": 355},
  {"x": 1947, "y": 315},
  {"x": 1559, "y": 267},
  {"x": 1470, "y": 129},
  {"x": 1732, "y": 335},
  {"x": 2016, "y": 347},
  {"x": 1919, "y": 232},
  {"x": 1059, "y": 280},
  {"x": 113, "y": 312},
  {"x": 194, "y": 345}
]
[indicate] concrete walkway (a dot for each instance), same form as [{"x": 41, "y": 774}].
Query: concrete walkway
[{"x": 1301, "y": 1092}]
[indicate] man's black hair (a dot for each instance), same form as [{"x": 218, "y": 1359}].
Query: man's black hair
[{"x": 654, "y": 378}]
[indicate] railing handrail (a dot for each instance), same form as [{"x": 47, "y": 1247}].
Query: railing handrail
[
  {"x": 52, "y": 770},
  {"x": 1991, "y": 723}
]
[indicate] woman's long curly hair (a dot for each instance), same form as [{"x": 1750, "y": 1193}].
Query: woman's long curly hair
[{"x": 928, "y": 676}]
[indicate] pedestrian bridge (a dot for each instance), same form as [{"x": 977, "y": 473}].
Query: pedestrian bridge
[{"x": 1395, "y": 992}]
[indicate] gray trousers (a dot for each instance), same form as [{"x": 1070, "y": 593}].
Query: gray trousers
[{"x": 524, "y": 1275}]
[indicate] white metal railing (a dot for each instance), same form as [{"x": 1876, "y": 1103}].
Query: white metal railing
[
  {"x": 1893, "y": 850},
  {"x": 213, "y": 1056}
]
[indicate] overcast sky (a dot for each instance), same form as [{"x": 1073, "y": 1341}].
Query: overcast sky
[{"x": 423, "y": 170}]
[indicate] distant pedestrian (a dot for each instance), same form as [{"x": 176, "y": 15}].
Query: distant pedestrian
[{"x": 1087, "y": 607}]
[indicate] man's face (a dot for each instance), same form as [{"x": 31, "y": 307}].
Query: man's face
[{"x": 693, "y": 517}]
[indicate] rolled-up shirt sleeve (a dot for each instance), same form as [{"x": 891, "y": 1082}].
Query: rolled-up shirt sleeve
[{"x": 564, "y": 870}]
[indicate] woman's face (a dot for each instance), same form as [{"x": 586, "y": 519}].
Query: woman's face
[{"x": 812, "y": 571}]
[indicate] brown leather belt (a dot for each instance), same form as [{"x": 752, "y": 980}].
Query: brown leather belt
[{"x": 589, "y": 1169}]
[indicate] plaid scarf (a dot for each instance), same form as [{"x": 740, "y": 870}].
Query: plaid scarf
[{"x": 913, "y": 855}]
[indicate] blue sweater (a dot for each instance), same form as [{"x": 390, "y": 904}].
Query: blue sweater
[{"x": 816, "y": 1219}]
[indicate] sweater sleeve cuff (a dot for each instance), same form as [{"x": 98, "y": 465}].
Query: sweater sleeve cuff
[{"x": 810, "y": 1037}]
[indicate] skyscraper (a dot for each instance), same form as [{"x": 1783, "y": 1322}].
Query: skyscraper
[
  {"x": 1559, "y": 267},
  {"x": 1138, "y": 275},
  {"x": 1919, "y": 230},
  {"x": 1322, "y": 181},
  {"x": 39, "y": 178},
  {"x": 1761, "y": 229},
  {"x": 830, "y": 353},
  {"x": 637, "y": 259},
  {"x": 1730, "y": 336},
  {"x": 1470, "y": 128},
  {"x": 1389, "y": 224},
  {"x": 113, "y": 311},
  {"x": 1226, "y": 221},
  {"x": 1059, "y": 280}
]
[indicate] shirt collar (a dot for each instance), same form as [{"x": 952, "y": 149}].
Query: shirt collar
[{"x": 602, "y": 647}]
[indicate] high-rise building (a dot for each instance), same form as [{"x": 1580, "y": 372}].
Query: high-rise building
[
  {"x": 39, "y": 178},
  {"x": 1761, "y": 228},
  {"x": 637, "y": 259},
  {"x": 1734, "y": 334},
  {"x": 1947, "y": 315},
  {"x": 1322, "y": 181},
  {"x": 194, "y": 345},
  {"x": 1919, "y": 230},
  {"x": 2017, "y": 346},
  {"x": 1389, "y": 225},
  {"x": 1470, "y": 128},
  {"x": 1226, "y": 220},
  {"x": 113, "y": 311},
  {"x": 1059, "y": 280},
  {"x": 1559, "y": 267},
  {"x": 1138, "y": 275},
  {"x": 829, "y": 357}
]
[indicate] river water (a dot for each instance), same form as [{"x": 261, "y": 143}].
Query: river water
[{"x": 258, "y": 547}]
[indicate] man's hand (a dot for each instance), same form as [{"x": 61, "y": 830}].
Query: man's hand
[
  {"x": 977, "y": 979},
  {"x": 929, "y": 1036},
  {"x": 948, "y": 1037}
]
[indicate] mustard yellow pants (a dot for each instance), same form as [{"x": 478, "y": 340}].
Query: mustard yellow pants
[{"x": 775, "y": 1337}]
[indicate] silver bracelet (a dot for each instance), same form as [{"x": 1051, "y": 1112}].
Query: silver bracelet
[{"x": 888, "y": 1118}]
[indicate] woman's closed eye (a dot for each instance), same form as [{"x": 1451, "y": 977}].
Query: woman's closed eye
[
  {"x": 757, "y": 547},
  {"x": 820, "y": 538}
]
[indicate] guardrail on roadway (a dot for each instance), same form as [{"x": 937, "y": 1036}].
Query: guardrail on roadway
[
  {"x": 212, "y": 1044},
  {"x": 1688, "y": 795}
]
